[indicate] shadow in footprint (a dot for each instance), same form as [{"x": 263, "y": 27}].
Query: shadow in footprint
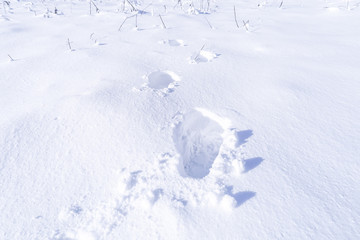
[
  {"x": 176, "y": 43},
  {"x": 157, "y": 193},
  {"x": 133, "y": 179},
  {"x": 242, "y": 136},
  {"x": 159, "y": 80},
  {"x": 240, "y": 197},
  {"x": 252, "y": 163}
]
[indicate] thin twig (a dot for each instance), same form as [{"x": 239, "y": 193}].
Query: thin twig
[
  {"x": 69, "y": 44},
  {"x": 208, "y": 23},
  {"x": 7, "y": 3},
  {"x": 179, "y": 2},
  {"x": 245, "y": 25},
  {"x": 125, "y": 21},
  {"x": 133, "y": 8},
  {"x": 97, "y": 9},
  {"x": 11, "y": 59},
  {"x": 237, "y": 24},
  {"x": 91, "y": 37},
  {"x": 122, "y": 24},
  {"x": 162, "y": 21},
  {"x": 198, "y": 55},
  {"x": 143, "y": 10},
  {"x": 281, "y": 4}
]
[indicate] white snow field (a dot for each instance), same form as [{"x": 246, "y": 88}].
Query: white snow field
[{"x": 165, "y": 120}]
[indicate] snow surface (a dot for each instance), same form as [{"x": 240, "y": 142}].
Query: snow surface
[{"x": 116, "y": 125}]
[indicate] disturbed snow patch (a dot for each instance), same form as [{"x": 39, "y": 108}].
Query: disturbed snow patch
[
  {"x": 198, "y": 175},
  {"x": 203, "y": 56},
  {"x": 174, "y": 42}
]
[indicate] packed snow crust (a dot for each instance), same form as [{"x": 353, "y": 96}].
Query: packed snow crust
[{"x": 177, "y": 120}]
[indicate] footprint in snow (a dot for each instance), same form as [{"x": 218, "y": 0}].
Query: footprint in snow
[
  {"x": 161, "y": 82},
  {"x": 207, "y": 143},
  {"x": 198, "y": 140}
]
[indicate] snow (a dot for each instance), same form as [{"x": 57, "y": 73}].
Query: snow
[{"x": 117, "y": 126}]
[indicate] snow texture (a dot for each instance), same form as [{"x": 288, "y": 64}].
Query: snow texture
[{"x": 175, "y": 120}]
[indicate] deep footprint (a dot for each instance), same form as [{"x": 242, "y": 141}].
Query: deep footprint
[{"x": 198, "y": 140}]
